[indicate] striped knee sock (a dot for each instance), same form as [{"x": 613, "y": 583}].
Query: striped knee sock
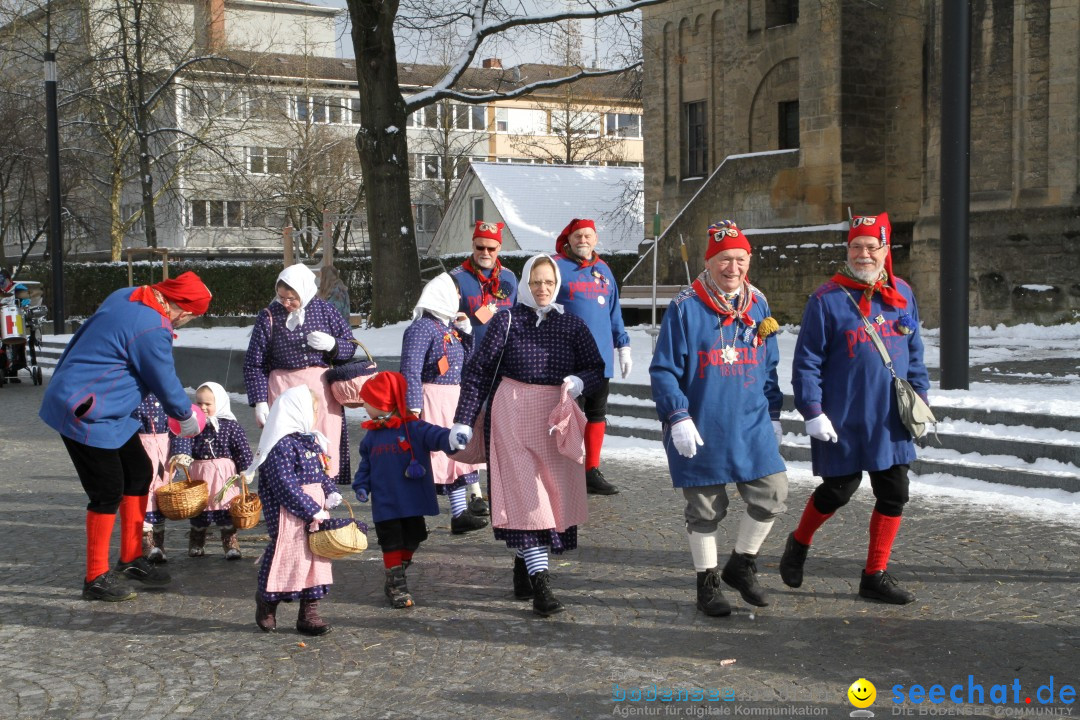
[
  {"x": 536, "y": 559},
  {"x": 458, "y": 503}
]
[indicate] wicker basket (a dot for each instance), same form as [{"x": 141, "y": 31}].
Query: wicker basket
[
  {"x": 340, "y": 542},
  {"x": 184, "y": 499},
  {"x": 245, "y": 509}
]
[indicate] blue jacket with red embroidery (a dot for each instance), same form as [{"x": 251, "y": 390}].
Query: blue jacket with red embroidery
[
  {"x": 837, "y": 370},
  {"x": 589, "y": 291},
  {"x": 384, "y": 456},
  {"x": 732, "y": 404},
  {"x": 471, "y": 296}
]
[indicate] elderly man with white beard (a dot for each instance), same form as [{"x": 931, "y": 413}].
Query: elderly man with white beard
[{"x": 844, "y": 391}]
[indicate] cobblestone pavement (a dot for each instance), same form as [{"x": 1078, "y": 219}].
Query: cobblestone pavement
[{"x": 997, "y": 601}]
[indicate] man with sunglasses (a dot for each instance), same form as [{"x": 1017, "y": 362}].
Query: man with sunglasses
[
  {"x": 485, "y": 287},
  {"x": 845, "y": 393}
]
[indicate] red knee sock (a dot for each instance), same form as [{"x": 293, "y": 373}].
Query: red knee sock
[
  {"x": 132, "y": 514},
  {"x": 99, "y": 527},
  {"x": 883, "y": 529},
  {"x": 391, "y": 558},
  {"x": 594, "y": 440},
  {"x": 811, "y": 520},
  {"x": 406, "y": 556}
]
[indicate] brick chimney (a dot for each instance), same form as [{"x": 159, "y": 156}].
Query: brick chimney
[
  {"x": 492, "y": 64},
  {"x": 210, "y": 24}
]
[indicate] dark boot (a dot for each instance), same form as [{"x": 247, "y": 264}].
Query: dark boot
[
  {"x": 792, "y": 561},
  {"x": 523, "y": 589},
  {"x": 597, "y": 484},
  {"x": 467, "y": 522},
  {"x": 265, "y": 613},
  {"x": 159, "y": 543},
  {"x": 397, "y": 588},
  {"x": 544, "y": 601},
  {"x": 883, "y": 586},
  {"x": 710, "y": 600},
  {"x": 741, "y": 574},
  {"x": 478, "y": 506},
  {"x": 196, "y": 542},
  {"x": 150, "y": 551},
  {"x": 308, "y": 621},
  {"x": 229, "y": 543}
]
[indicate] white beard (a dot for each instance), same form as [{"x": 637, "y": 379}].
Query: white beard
[{"x": 866, "y": 274}]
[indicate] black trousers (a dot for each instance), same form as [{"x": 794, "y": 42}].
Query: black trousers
[
  {"x": 595, "y": 405},
  {"x": 402, "y": 533},
  {"x": 108, "y": 475},
  {"x": 890, "y": 488}
]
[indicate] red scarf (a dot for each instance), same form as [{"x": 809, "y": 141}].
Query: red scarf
[
  {"x": 729, "y": 313},
  {"x": 889, "y": 294},
  {"x": 392, "y": 422},
  {"x": 580, "y": 263},
  {"x": 488, "y": 285}
]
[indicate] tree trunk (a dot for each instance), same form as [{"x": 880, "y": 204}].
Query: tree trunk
[
  {"x": 384, "y": 162},
  {"x": 116, "y": 225}
]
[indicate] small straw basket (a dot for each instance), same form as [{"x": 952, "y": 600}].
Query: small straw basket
[
  {"x": 184, "y": 499},
  {"x": 339, "y": 542},
  {"x": 246, "y": 508}
]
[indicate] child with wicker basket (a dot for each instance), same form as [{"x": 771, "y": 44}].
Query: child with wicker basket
[
  {"x": 159, "y": 445},
  {"x": 296, "y": 495},
  {"x": 215, "y": 455},
  {"x": 395, "y": 473}
]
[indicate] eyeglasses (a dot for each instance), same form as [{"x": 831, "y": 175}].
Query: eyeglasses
[
  {"x": 481, "y": 249},
  {"x": 859, "y": 249},
  {"x": 542, "y": 283},
  {"x": 290, "y": 300}
]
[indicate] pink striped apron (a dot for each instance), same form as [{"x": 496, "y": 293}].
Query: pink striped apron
[
  {"x": 330, "y": 410},
  {"x": 214, "y": 472},
  {"x": 533, "y": 485},
  {"x": 440, "y": 404},
  {"x": 157, "y": 449},
  {"x": 294, "y": 566}
]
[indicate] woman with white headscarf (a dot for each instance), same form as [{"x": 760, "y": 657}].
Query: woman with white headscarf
[
  {"x": 295, "y": 492},
  {"x": 531, "y": 356},
  {"x": 433, "y": 351},
  {"x": 215, "y": 455},
  {"x": 294, "y": 341}
]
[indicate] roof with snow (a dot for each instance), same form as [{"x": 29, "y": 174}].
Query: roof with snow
[{"x": 537, "y": 201}]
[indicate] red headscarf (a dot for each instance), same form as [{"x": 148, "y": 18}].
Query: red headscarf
[
  {"x": 564, "y": 236},
  {"x": 386, "y": 391},
  {"x": 879, "y": 228},
  {"x": 186, "y": 291}
]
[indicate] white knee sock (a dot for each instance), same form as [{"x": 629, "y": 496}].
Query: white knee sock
[
  {"x": 474, "y": 489},
  {"x": 703, "y": 550},
  {"x": 751, "y": 534}
]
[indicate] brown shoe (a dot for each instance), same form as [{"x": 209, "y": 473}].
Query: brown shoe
[
  {"x": 309, "y": 622},
  {"x": 196, "y": 542},
  {"x": 265, "y": 613},
  {"x": 229, "y": 543}
]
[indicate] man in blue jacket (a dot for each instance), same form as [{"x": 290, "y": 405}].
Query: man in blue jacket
[
  {"x": 118, "y": 356},
  {"x": 588, "y": 290},
  {"x": 845, "y": 393},
  {"x": 715, "y": 387}
]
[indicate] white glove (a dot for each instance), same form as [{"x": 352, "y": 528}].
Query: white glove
[
  {"x": 625, "y": 363},
  {"x": 462, "y": 323},
  {"x": 332, "y": 500},
  {"x": 262, "y": 411},
  {"x": 318, "y": 518},
  {"x": 321, "y": 341},
  {"x": 460, "y": 435},
  {"x": 686, "y": 438},
  {"x": 181, "y": 460},
  {"x": 778, "y": 431},
  {"x": 190, "y": 427},
  {"x": 820, "y": 428},
  {"x": 574, "y": 386}
]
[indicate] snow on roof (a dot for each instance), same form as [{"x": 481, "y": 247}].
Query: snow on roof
[{"x": 537, "y": 201}]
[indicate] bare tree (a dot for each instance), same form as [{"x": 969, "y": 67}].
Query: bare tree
[{"x": 381, "y": 140}]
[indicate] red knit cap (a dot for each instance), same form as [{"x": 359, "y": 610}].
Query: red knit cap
[
  {"x": 490, "y": 231},
  {"x": 725, "y": 235},
  {"x": 575, "y": 224},
  {"x": 386, "y": 391},
  {"x": 877, "y": 227},
  {"x": 187, "y": 292}
]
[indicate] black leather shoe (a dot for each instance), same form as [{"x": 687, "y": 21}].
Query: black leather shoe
[
  {"x": 741, "y": 574},
  {"x": 597, "y": 484},
  {"x": 466, "y": 522},
  {"x": 792, "y": 561},
  {"x": 140, "y": 569},
  {"x": 478, "y": 506},
  {"x": 544, "y": 601},
  {"x": 523, "y": 589},
  {"x": 710, "y": 599},
  {"x": 883, "y": 586},
  {"x": 108, "y": 587}
]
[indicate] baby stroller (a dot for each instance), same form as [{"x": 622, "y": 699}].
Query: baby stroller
[{"x": 20, "y": 334}]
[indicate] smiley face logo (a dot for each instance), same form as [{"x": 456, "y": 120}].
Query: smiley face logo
[{"x": 862, "y": 693}]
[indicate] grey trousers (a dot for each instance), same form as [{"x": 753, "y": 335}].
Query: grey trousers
[{"x": 707, "y": 505}]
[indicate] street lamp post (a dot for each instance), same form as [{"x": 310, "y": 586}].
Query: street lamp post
[{"x": 52, "y": 149}]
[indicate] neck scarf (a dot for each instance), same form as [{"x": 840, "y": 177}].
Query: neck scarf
[
  {"x": 146, "y": 295},
  {"x": 300, "y": 278},
  {"x": 292, "y": 412},
  {"x": 525, "y": 295},
  {"x": 716, "y": 300},
  {"x": 222, "y": 403},
  {"x": 889, "y": 294},
  {"x": 565, "y": 252},
  {"x": 489, "y": 286}
]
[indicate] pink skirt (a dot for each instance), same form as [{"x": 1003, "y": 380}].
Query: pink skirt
[
  {"x": 330, "y": 414},
  {"x": 214, "y": 472},
  {"x": 440, "y": 404},
  {"x": 294, "y": 566},
  {"x": 534, "y": 486},
  {"x": 157, "y": 449}
]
